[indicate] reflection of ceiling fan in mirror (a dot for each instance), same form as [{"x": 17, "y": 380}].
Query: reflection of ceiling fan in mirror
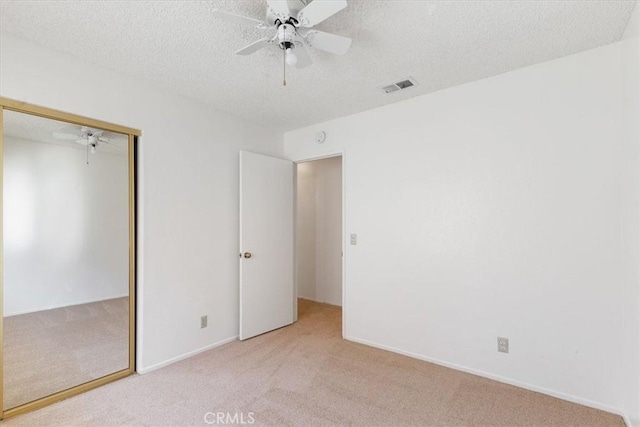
[{"x": 84, "y": 135}]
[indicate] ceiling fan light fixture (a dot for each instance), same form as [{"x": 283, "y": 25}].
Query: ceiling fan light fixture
[{"x": 291, "y": 59}]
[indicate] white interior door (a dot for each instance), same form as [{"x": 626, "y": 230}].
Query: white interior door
[{"x": 266, "y": 244}]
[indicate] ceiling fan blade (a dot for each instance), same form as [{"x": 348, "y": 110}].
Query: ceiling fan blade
[
  {"x": 231, "y": 17},
  {"x": 69, "y": 132},
  {"x": 255, "y": 46},
  {"x": 65, "y": 136},
  {"x": 319, "y": 10},
  {"x": 304, "y": 60},
  {"x": 328, "y": 42},
  {"x": 280, "y": 8}
]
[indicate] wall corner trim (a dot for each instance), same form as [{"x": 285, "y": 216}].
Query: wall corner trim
[{"x": 627, "y": 421}]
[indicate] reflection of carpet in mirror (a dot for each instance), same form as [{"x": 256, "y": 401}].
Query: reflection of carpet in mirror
[{"x": 53, "y": 350}]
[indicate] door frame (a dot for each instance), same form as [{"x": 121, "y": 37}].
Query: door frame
[
  {"x": 133, "y": 135},
  {"x": 305, "y": 159}
]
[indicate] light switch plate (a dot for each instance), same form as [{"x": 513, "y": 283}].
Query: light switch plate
[{"x": 354, "y": 239}]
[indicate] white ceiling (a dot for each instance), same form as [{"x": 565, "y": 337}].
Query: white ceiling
[{"x": 181, "y": 46}]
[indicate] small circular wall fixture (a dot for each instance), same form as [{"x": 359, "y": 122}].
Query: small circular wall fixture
[{"x": 321, "y": 137}]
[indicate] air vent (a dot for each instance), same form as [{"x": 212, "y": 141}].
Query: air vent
[
  {"x": 391, "y": 88},
  {"x": 404, "y": 84}
]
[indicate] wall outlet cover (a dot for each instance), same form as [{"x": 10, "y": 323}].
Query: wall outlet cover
[{"x": 503, "y": 345}]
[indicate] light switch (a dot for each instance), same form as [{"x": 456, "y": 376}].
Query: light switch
[{"x": 354, "y": 239}]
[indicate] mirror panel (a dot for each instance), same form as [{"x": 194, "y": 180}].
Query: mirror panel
[{"x": 65, "y": 256}]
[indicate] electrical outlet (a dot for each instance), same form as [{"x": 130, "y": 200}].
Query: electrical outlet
[
  {"x": 503, "y": 345},
  {"x": 203, "y": 322},
  {"x": 354, "y": 239}
]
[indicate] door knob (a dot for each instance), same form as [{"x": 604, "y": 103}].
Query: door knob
[{"x": 247, "y": 254}]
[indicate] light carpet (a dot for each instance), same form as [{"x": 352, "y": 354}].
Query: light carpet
[
  {"x": 305, "y": 374},
  {"x": 53, "y": 350}
]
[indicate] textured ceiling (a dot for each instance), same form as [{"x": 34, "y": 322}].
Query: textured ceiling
[
  {"x": 39, "y": 129},
  {"x": 181, "y": 46}
]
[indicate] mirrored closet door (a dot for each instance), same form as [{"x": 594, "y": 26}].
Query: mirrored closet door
[{"x": 68, "y": 255}]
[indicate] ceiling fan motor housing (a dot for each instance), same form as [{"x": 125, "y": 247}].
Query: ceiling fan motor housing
[{"x": 286, "y": 36}]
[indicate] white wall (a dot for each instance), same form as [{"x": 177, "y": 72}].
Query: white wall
[
  {"x": 66, "y": 237},
  {"x": 188, "y": 248},
  {"x": 306, "y": 206},
  {"x": 630, "y": 174},
  {"x": 496, "y": 209},
  {"x": 319, "y": 230}
]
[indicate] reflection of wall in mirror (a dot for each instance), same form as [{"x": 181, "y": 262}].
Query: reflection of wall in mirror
[{"x": 65, "y": 226}]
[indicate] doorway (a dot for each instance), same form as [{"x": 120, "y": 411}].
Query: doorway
[
  {"x": 319, "y": 242},
  {"x": 268, "y": 271}
]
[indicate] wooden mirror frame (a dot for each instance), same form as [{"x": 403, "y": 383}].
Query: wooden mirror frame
[{"x": 22, "y": 107}]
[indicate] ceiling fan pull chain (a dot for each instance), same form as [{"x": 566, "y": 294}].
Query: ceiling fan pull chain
[
  {"x": 87, "y": 152},
  {"x": 284, "y": 67}
]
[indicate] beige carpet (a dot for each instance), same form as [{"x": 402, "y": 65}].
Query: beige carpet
[
  {"x": 304, "y": 375},
  {"x": 52, "y": 350}
]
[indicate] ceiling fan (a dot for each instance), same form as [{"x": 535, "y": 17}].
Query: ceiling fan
[
  {"x": 291, "y": 23},
  {"x": 83, "y": 135},
  {"x": 89, "y": 137}
]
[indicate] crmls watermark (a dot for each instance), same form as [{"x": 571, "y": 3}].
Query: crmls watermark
[{"x": 229, "y": 418}]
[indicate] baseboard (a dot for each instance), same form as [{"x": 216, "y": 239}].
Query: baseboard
[
  {"x": 54, "y": 307},
  {"x": 626, "y": 420},
  {"x": 526, "y": 386},
  {"x": 186, "y": 355},
  {"x": 319, "y": 302}
]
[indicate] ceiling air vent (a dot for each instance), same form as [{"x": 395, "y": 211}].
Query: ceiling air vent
[{"x": 400, "y": 85}]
